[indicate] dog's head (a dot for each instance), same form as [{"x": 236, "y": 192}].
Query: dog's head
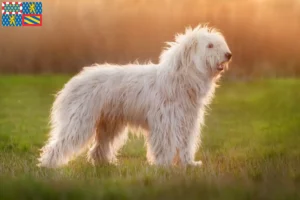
[
  {"x": 201, "y": 48},
  {"x": 214, "y": 51}
]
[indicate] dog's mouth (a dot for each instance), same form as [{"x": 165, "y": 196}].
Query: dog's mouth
[{"x": 222, "y": 66}]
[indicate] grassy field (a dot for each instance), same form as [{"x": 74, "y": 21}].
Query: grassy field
[{"x": 250, "y": 149}]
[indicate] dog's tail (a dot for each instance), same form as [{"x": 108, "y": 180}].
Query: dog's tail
[
  {"x": 73, "y": 118},
  {"x": 60, "y": 149}
]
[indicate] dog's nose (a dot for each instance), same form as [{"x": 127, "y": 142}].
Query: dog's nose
[{"x": 228, "y": 55}]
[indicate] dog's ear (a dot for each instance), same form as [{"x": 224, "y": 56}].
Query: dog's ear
[
  {"x": 181, "y": 52},
  {"x": 186, "y": 53}
]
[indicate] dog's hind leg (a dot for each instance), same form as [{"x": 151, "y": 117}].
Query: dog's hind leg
[{"x": 109, "y": 138}]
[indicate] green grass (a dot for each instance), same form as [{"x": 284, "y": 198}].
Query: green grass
[{"x": 250, "y": 148}]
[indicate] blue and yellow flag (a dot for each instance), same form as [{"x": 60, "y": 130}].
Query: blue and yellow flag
[
  {"x": 32, "y": 20},
  {"x": 11, "y": 20},
  {"x": 32, "y": 8}
]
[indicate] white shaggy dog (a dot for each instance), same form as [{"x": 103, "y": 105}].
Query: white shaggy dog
[{"x": 167, "y": 100}]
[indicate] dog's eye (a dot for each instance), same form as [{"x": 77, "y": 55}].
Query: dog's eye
[{"x": 210, "y": 45}]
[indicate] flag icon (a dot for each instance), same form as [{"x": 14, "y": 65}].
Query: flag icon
[
  {"x": 11, "y": 8},
  {"x": 32, "y": 20},
  {"x": 32, "y": 7},
  {"x": 11, "y": 20},
  {"x": 22, "y": 13}
]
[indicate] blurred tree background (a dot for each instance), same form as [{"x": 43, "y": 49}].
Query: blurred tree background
[{"x": 262, "y": 34}]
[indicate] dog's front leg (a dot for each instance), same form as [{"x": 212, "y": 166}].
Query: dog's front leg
[
  {"x": 187, "y": 143},
  {"x": 173, "y": 142},
  {"x": 161, "y": 145},
  {"x": 186, "y": 153}
]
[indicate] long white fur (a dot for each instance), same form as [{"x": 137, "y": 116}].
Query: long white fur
[{"x": 167, "y": 100}]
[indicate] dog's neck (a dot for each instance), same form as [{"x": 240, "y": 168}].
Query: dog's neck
[
  {"x": 193, "y": 83},
  {"x": 203, "y": 86}
]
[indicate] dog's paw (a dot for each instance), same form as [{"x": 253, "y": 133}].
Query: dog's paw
[
  {"x": 103, "y": 162},
  {"x": 196, "y": 163}
]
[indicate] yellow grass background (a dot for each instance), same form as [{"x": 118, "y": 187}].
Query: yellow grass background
[{"x": 264, "y": 35}]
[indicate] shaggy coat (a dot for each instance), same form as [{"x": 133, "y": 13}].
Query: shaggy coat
[{"x": 167, "y": 100}]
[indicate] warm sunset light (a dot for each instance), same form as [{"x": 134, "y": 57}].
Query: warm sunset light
[
  {"x": 150, "y": 99},
  {"x": 83, "y": 32}
]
